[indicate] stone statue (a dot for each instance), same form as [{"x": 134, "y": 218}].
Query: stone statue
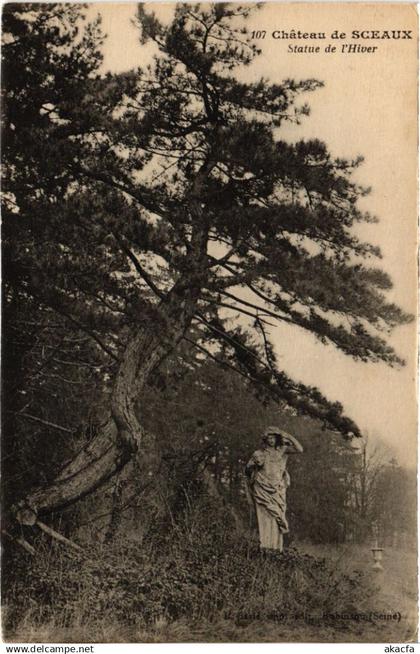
[{"x": 268, "y": 480}]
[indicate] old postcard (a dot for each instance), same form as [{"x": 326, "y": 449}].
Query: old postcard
[{"x": 209, "y": 323}]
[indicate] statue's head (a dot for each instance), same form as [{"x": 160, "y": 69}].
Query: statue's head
[{"x": 276, "y": 437}]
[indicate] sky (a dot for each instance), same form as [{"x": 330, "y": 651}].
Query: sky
[{"x": 368, "y": 107}]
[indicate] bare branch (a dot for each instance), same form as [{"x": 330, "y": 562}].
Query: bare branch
[
  {"x": 139, "y": 268},
  {"x": 45, "y": 422}
]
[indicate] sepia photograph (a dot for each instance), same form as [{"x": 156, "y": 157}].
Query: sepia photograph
[{"x": 209, "y": 322}]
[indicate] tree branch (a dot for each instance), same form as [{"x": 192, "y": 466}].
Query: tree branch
[
  {"x": 139, "y": 268},
  {"x": 44, "y": 422}
]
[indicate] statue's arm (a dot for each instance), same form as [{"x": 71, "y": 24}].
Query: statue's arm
[
  {"x": 256, "y": 461},
  {"x": 293, "y": 446}
]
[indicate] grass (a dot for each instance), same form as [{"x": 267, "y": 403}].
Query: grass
[{"x": 204, "y": 581}]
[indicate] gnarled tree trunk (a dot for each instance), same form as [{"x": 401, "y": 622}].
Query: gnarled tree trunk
[{"x": 119, "y": 434}]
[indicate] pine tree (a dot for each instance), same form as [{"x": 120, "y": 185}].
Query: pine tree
[{"x": 147, "y": 208}]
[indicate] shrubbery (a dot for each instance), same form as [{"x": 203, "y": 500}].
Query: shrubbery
[{"x": 201, "y": 567}]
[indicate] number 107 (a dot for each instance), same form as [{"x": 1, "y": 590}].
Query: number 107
[{"x": 258, "y": 34}]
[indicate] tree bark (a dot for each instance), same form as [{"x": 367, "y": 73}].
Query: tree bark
[{"x": 99, "y": 460}]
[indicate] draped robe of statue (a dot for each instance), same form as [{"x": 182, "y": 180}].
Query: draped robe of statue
[{"x": 268, "y": 482}]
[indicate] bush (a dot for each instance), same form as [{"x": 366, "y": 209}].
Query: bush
[{"x": 203, "y": 567}]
